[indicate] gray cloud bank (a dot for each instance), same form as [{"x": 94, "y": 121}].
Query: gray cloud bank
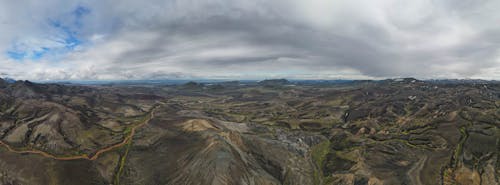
[{"x": 315, "y": 39}]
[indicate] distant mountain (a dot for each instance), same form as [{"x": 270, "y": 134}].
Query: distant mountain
[
  {"x": 230, "y": 83},
  {"x": 462, "y": 81},
  {"x": 9, "y": 80},
  {"x": 401, "y": 80},
  {"x": 3, "y": 83},
  {"x": 273, "y": 82},
  {"x": 192, "y": 85}
]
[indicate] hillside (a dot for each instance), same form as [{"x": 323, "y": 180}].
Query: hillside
[{"x": 397, "y": 131}]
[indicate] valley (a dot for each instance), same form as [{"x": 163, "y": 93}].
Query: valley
[{"x": 395, "y": 131}]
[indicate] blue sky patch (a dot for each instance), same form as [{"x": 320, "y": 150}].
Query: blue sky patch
[
  {"x": 78, "y": 13},
  {"x": 71, "y": 39},
  {"x": 16, "y": 55},
  {"x": 64, "y": 41},
  {"x": 40, "y": 53}
]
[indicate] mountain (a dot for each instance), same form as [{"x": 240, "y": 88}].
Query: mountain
[
  {"x": 396, "y": 131},
  {"x": 3, "y": 83},
  {"x": 9, "y": 80},
  {"x": 274, "y": 82}
]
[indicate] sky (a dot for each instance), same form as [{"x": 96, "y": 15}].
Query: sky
[{"x": 249, "y": 39}]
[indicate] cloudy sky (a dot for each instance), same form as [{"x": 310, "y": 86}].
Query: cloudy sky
[{"x": 249, "y": 39}]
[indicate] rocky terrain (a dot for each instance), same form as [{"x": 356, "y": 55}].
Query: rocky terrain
[{"x": 397, "y": 131}]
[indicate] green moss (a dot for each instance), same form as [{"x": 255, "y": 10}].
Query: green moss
[
  {"x": 320, "y": 151},
  {"x": 335, "y": 102},
  {"x": 127, "y": 130},
  {"x": 123, "y": 159},
  {"x": 350, "y": 155},
  {"x": 458, "y": 150},
  {"x": 318, "y": 155}
]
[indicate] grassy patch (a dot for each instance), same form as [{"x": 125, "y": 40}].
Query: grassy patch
[
  {"x": 458, "y": 150},
  {"x": 123, "y": 159},
  {"x": 320, "y": 151},
  {"x": 318, "y": 154},
  {"x": 127, "y": 130}
]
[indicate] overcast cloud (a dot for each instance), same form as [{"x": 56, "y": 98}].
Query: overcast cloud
[{"x": 254, "y": 39}]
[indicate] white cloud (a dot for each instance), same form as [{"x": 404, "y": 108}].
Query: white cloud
[{"x": 255, "y": 39}]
